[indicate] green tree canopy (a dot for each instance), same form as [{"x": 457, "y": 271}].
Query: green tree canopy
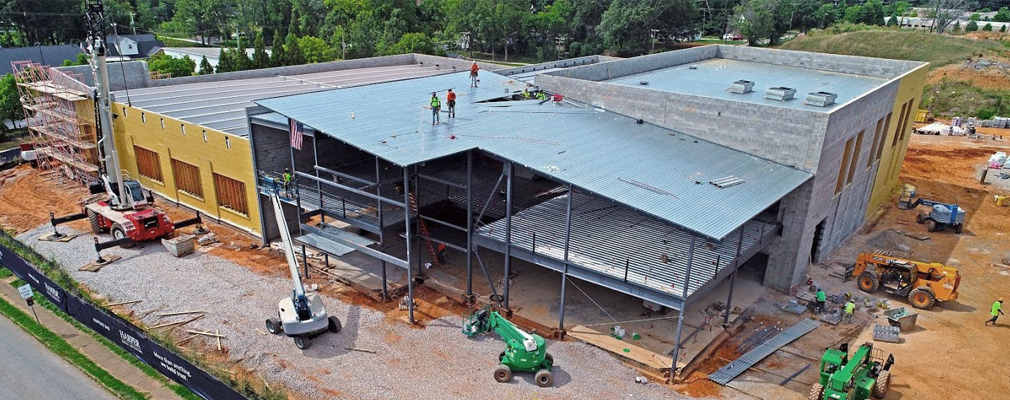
[
  {"x": 987, "y": 27},
  {"x": 224, "y": 62},
  {"x": 315, "y": 49},
  {"x": 277, "y": 55},
  {"x": 205, "y": 67},
  {"x": 971, "y": 27},
  {"x": 1003, "y": 15},
  {"x": 260, "y": 58},
  {"x": 292, "y": 53},
  {"x": 176, "y": 67},
  {"x": 10, "y": 102},
  {"x": 413, "y": 43}
]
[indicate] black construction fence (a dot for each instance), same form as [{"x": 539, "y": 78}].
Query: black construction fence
[{"x": 119, "y": 331}]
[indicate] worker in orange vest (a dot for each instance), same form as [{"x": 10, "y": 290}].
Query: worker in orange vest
[
  {"x": 450, "y": 99},
  {"x": 473, "y": 74}
]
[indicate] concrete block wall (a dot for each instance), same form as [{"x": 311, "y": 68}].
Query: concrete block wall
[
  {"x": 868, "y": 66},
  {"x": 566, "y": 63},
  {"x": 386, "y": 61},
  {"x": 618, "y": 68},
  {"x": 785, "y": 135},
  {"x": 131, "y": 74}
]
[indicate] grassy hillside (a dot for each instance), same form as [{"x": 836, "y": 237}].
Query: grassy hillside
[{"x": 938, "y": 50}]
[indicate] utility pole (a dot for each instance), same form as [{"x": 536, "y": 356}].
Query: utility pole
[
  {"x": 653, "y": 33},
  {"x": 133, "y": 27},
  {"x": 560, "y": 43}
]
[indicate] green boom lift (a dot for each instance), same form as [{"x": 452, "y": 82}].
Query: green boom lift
[
  {"x": 855, "y": 378},
  {"x": 526, "y": 352}
]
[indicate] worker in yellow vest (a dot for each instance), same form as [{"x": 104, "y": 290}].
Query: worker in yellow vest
[
  {"x": 436, "y": 104},
  {"x": 850, "y": 306},
  {"x": 996, "y": 311}
]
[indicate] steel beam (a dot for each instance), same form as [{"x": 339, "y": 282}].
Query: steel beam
[
  {"x": 729, "y": 299},
  {"x": 440, "y": 180},
  {"x": 350, "y": 189},
  {"x": 343, "y": 175}
]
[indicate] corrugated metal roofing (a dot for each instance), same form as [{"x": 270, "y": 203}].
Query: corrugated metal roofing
[
  {"x": 221, "y": 104},
  {"x": 730, "y": 371},
  {"x": 649, "y": 168},
  {"x": 712, "y": 78}
]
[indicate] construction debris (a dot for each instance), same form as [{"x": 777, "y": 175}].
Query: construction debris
[
  {"x": 211, "y": 334},
  {"x": 794, "y": 307},
  {"x": 176, "y": 323},
  {"x": 794, "y": 375},
  {"x": 741, "y": 364},
  {"x": 361, "y": 350},
  {"x": 207, "y": 239},
  {"x": 178, "y": 313},
  {"x": 123, "y": 303}
]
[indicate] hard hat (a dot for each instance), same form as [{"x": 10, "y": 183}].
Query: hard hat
[{"x": 1000, "y": 299}]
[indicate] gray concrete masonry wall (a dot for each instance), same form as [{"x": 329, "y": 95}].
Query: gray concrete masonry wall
[
  {"x": 131, "y": 74},
  {"x": 867, "y": 66},
  {"x": 630, "y": 66},
  {"x": 386, "y": 61},
  {"x": 566, "y": 63}
]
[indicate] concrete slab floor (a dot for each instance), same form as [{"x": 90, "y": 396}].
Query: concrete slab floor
[{"x": 535, "y": 294}]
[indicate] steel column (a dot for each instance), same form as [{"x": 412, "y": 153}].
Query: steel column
[
  {"x": 382, "y": 242},
  {"x": 508, "y": 231},
  {"x": 319, "y": 186},
  {"x": 564, "y": 273},
  {"x": 406, "y": 227},
  {"x": 305, "y": 262},
  {"x": 469, "y": 224},
  {"x": 729, "y": 300},
  {"x": 680, "y": 316}
]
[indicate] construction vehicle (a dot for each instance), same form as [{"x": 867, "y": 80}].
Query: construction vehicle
[
  {"x": 525, "y": 352},
  {"x": 858, "y": 377},
  {"x": 940, "y": 215},
  {"x": 302, "y": 315},
  {"x": 128, "y": 210},
  {"x": 922, "y": 283}
]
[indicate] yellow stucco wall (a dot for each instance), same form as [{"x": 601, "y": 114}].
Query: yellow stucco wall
[
  {"x": 210, "y": 150},
  {"x": 909, "y": 88}
]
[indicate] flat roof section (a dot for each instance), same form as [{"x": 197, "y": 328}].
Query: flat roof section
[
  {"x": 221, "y": 105},
  {"x": 655, "y": 170},
  {"x": 712, "y": 78}
]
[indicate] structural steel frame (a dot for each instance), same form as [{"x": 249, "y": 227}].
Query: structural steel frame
[{"x": 410, "y": 178}]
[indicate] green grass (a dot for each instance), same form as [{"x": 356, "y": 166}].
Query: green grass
[
  {"x": 60, "y": 347},
  {"x": 949, "y": 98},
  {"x": 5, "y": 273},
  {"x": 914, "y": 45}
]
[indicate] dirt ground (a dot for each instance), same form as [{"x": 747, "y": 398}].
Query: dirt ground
[{"x": 950, "y": 355}]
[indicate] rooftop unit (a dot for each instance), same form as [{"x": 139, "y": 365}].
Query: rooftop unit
[
  {"x": 780, "y": 93},
  {"x": 820, "y": 99},
  {"x": 741, "y": 87}
]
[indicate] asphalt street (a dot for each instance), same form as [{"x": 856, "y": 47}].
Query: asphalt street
[{"x": 30, "y": 371}]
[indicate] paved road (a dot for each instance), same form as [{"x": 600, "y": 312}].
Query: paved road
[{"x": 30, "y": 371}]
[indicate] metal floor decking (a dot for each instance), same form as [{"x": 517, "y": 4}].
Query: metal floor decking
[
  {"x": 730, "y": 371},
  {"x": 621, "y": 242}
]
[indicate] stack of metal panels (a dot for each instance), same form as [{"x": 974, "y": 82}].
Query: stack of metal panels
[
  {"x": 730, "y": 371},
  {"x": 780, "y": 93}
]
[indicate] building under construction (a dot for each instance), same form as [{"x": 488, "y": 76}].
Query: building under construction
[{"x": 655, "y": 177}]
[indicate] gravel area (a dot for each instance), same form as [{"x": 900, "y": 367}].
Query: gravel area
[{"x": 437, "y": 362}]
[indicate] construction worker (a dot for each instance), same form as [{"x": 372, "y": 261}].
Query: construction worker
[
  {"x": 473, "y": 74},
  {"x": 850, "y": 306},
  {"x": 821, "y": 298},
  {"x": 541, "y": 95},
  {"x": 287, "y": 182},
  {"x": 450, "y": 99},
  {"x": 997, "y": 310},
  {"x": 526, "y": 93},
  {"x": 436, "y": 105},
  {"x": 441, "y": 253}
]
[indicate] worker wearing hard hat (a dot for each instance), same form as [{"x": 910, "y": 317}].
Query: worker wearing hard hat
[
  {"x": 473, "y": 74},
  {"x": 850, "y": 306},
  {"x": 997, "y": 310}
]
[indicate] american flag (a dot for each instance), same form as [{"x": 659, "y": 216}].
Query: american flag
[{"x": 296, "y": 129}]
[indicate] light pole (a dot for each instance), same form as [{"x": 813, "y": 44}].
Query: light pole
[
  {"x": 560, "y": 40},
  {"x": 654, "y": 33}
]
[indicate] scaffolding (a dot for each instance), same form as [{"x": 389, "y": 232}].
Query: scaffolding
[{"x": 55, "y": 109}]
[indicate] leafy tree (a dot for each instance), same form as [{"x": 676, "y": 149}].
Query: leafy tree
[
  {"x": 315, "y": 49},
  {"x": 1002, "y": 29},
  {"x": 893, "y": 20},
  {"x": 277, "y": 56},
  {"x": 413, "y": 43},
  {"x": 826, "y": 15},
  {"x": 224, "y": 62},
  {"x": 987, "y": 28},
  {"x": 294, "y": 27},
  {"x": 260, "y": 58},
  {"x": 1003, "y": 15},
  {"x": 755, "y": 20},
  {"x": 176, "y": 67},
  {"x": 805, "y": 14},
  {"x": 626, "y": 25},
  {"x": 971, "y": 27},
  {"x": 292, "y": 53},
  {"x": 205, "y": 67},
  {"x": 240, "y": 59},
  {"x": 974, "y": 17},
  {"x": 205, "y": 18},
  {"x": 10, "y": 103}
]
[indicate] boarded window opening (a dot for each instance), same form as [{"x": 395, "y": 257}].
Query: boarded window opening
[
  {"x": 227, "y": 142},
  {"x": 143, "y": 118},
  {"x": 883, "y": 136},
  {"x": 231, "y": 194},
  {"x": 148, "y": 163},
  {"x": 855, "y": 157},
  {"x": 873, "y": 144},
  {"x": 187, "y": 178},
  {"x": 844, "y": 166}
]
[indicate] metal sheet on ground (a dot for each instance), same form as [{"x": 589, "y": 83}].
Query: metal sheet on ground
[{"x": 730, "y": 371}]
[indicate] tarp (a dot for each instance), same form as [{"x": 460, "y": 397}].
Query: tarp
[{"x": 938, "y": 128}]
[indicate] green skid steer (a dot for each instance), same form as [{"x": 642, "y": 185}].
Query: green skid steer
[
  {"x": 526, "y": 352},
  {"x": 855, "y": 378}
]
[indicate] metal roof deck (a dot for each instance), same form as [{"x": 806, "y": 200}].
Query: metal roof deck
[
  {"x": 221, "y": 104},
  {"x": 655, "y": 170},
  {"x": 712, "y": 78}
]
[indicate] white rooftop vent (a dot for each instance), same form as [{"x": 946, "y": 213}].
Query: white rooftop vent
[
  {"x": 741, "y": 87},
  {"x": 780, "y": 93},
  {"x": 820, "y": 99}
]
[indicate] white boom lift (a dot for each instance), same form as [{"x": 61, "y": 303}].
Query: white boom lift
[{"x": 300, "y": 316}]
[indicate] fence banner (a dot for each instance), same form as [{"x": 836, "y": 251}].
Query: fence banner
[{"x": 119, "y": 331}]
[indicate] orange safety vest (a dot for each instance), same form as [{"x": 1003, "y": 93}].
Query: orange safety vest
[
  {"x": 451, "y": 96},
  {"x": 473, "y": 69}
]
